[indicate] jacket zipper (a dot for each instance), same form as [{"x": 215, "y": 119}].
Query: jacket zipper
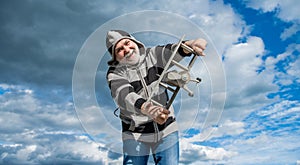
[
  {"x": 156, "y": 130},
  {"x": 156, "y": 133}
]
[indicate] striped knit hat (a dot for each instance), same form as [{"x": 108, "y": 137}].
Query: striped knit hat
[{"x": 113, "y": 37}]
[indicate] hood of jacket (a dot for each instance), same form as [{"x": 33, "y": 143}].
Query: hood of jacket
[{"x": 113, "y": 37}]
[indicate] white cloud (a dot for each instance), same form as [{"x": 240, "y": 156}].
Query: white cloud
[
  {"x": 225, "y": 128},
  {"x": 214, "y": 20},
  {"x": 284, "y": 113},
  {"x": 101, "y": 125},
  {"x": 287, "y": 11},
  {"x": 197, "y": 154},
  {"x": 244, "y": 59},
  {"x": 288, "y": 32},
  {"x": 23, "y": 154},
  {"x": 247, "y": 83},
  {"x": 22, "y": 110},
  {"x": 34, "y": 132},
  {"x": 270, "y": 136},
  {"x": 263, "y": 5},
  {"x": 281, "y": 113},
  {"x": 271, "y": 61},
  {"x": 229, "y": 128},
  {"x": 264, "y": 149},
  {"x": 290, "y": 73},
  {"x": 58, "y": 148},
  {"x": 293, "y": 69}
]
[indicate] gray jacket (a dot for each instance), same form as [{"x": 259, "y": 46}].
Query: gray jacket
[{"x": 130, "y": 87}]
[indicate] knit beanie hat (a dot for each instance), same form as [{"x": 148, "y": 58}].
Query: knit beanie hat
[{"x": 113, "y": 37}]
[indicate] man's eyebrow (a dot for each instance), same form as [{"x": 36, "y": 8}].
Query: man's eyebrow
[
  {"x": 117, "y": 49},
  {"x": 124, "y": 42}
]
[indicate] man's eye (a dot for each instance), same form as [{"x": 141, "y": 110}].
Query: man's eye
[
  {"x": 127, "y": 42},
  {"x": 118, "y": 50}
]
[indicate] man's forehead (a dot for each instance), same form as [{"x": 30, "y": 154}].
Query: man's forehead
[{"x": 122, "y": 41}]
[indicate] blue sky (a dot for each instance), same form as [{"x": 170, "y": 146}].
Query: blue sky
[{"x": 257, "y": 42}]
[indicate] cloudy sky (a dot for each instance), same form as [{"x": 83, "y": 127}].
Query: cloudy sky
[{"x": 56, "y": 108}]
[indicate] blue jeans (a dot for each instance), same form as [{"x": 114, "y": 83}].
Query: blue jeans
[{"x": 164, "y": 152}]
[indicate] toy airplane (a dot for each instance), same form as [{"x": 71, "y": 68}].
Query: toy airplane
[{"x": 174, "y": 78}]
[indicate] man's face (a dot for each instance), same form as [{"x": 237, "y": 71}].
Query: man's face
[{"x": 127, "y": 52}]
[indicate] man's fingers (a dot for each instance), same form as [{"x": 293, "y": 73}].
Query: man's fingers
[
  {"x": 165, "y": 111},
  {"x": 159, "y": 120},
  {"x": 201, "y": 43},
  {"x": 199, "y": 46},
  {"x": 163, "y": 116},
  {"x": 199, "y": 51}
]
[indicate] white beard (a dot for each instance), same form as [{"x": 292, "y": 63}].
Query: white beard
[{"x": 131, "y": 58}]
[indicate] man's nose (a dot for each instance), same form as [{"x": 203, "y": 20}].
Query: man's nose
[{"x": 126, "y": 49}]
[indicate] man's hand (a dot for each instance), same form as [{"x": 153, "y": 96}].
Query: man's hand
[
  {"x": 157, "y": 113},
  {"x": 198, "y": 45}
]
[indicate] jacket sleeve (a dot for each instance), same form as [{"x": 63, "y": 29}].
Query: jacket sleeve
[
  {"x": 164, "y": 53},
  {"x": 123, "y": 92}
]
